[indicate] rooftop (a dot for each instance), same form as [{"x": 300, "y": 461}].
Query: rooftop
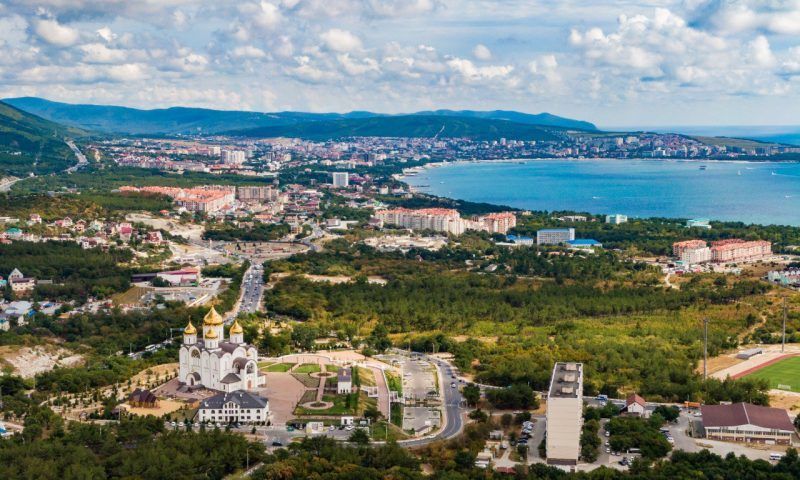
[
  {"x": 746, "y": 414},
  {"x": 567, "y": 380}
]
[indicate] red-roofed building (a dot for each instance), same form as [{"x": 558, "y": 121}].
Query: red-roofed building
[
  {"x": 747, "y": 423},
  {"x": 635, "y": 406}
]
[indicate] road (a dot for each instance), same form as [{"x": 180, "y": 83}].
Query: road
[
  {"x": 252, "y": 290},
  {"x": 82, "y": 162},
  {"x": 452, "y": 421}
]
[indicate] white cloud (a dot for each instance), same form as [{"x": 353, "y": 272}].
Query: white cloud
[
  {"x": 340, "y": 40},
  {"x": 129, "y": 72},
  {"x": 470, "y": 72},
  {"x": 248, "y": 51},
  {"x": 54, "y": 33},
  {"x": 99, "y": 53},
  {"x": 106, "y": 34},
  {"x": 482, "y": 52}
]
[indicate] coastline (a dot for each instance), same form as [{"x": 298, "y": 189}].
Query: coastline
[{"x": 644, "y": 193}]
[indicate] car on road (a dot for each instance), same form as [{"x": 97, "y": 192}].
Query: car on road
[
  {"x": 276, "y": 443},
  {"x": 453, "y": 385}
]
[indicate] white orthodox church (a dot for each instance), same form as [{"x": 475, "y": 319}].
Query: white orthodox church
[{"x": 215, "y": 364}]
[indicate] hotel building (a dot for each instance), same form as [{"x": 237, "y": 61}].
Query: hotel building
[
  {"x": 555, "y": 236},
  {"x": 199, "y": 199},
  {"x": 736, "y": 250}
]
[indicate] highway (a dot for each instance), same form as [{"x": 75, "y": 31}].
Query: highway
[
  {"x": 82, "y": 162},
  {"x": 252, "y": 289}
]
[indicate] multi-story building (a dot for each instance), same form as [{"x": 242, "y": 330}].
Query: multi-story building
[
  {"x": 500, "y": 222},
  {"x": 257, "y": 194},
  {"x": 437, "y": 219},
  {"x": 736, "y": 250},
  {"x": 565, "y": 415},
  {"x": 233, "y": 157},
  {"x": 555, "y": 236},
  {"x": 199, "y": 199},
  {"x": 234, "y": 407},
  {"x": 616, "y": 219},
  {"x": 692, "y": 251},
  {"x": 341, "y": 179}
]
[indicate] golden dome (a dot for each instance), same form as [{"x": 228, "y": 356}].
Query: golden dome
[
  {"x": 212, "y": 317},
  {"x": 211, "y": 334},
  {"x": 190, "y": 330},
  {"x": 236, "y": 328}
]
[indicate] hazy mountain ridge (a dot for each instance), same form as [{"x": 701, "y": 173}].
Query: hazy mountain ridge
[{"x": 183, "y": 120}]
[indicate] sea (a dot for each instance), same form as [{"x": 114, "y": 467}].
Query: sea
[{"x": 750, "y": 192}]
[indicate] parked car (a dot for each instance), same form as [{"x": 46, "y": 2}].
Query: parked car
[{"x": 276, "y": 443}]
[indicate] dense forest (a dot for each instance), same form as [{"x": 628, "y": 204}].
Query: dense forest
[
  {"x": 134, "y": 448},
  {"x": 87, "y": 206},
  {"x": 632, "y": 332},
  {"x": 76, "y": 273}
]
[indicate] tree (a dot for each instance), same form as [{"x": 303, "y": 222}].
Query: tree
[
  {"x": 359, "y": 436},
  {"x": 379, "y": 338},
  {"x": 668, "y": 413},
  {"x": 471, "y": 393},
  {"x": 372, "y": 413}
]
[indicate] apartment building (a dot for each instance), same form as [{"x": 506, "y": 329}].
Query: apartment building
[
  {"x": 565, "y": 415},
  {"x": 737, "y": 250},
  {"x": 257, "y": 194},
  {"x": 500, "y": 222},
  {"x": 438, "y": 219},
  {"x": 554, "y": 236}
]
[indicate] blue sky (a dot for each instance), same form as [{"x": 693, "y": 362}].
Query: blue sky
[{"x": 616, "y": 63}]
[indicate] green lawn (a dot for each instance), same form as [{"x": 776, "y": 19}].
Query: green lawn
[
  {"x": 785, "y": 373},
  {"x": 308, "y": 368},
  {"x": 279, "y": 367}
]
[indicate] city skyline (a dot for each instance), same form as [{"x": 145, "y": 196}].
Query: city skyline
[{"x": 650, "y": 62}]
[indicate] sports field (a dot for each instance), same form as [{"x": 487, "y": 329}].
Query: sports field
[{"x": 783, "y": 375}]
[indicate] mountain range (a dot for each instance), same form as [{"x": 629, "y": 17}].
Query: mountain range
[{"x": 181, "y": 120}]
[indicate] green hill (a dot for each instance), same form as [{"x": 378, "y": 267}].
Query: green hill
[
  {"x": 421, "y": 126},
  {"x": 30, "y": 144},
  {"x": 180, "y": 120}
]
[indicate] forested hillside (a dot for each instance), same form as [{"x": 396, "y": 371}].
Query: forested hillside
[{"x": 29, "y": 144}]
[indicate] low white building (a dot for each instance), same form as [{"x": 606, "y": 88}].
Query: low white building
[
  {"x": 237, "y": 406},
  {"x": 344, "y": 383},
  {"x": 616, "y": 219}
]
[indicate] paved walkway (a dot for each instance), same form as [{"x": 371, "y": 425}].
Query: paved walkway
[
  {"x": 335, "y": 358},
  {"x": 321, "y": 387}
]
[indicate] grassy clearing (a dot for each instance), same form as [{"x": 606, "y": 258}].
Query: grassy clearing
[
  {"x": 279, "y": 367},
  {"x": 785, "y": 373},
  {"x": 383, "y": 430},
  {"x": 366, "y": 377},
  {"x": 308, "y": 368}
]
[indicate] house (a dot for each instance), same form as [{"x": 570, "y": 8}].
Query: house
[
  {"x": 5, "y": 325},
  {"x": 747, "y": 423},
  {"x": 20, "y": 284},
  {"x": 15, "y": 275},
  {"x": 34, "y": 219},
  {"x": 344, "y": 383},
  {"x": 237, "y": 406},
  {"x": 143, "y": 398},
  {"x": 635, "y": 406}
]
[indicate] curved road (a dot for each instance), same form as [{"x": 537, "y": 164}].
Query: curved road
[{"x": 452, "y": 421}]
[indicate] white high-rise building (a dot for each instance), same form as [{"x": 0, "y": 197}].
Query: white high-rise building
[
  {"x": 341, "y": 179},
  {"x": 233, "y": 157},
  {"x": 565, "y": 415},
  {"x": 554, "y": 236}
]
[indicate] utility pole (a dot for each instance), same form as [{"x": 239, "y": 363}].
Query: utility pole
[
  {"x": 705, "y": 349},
  {"x": 783, "y": 340}
]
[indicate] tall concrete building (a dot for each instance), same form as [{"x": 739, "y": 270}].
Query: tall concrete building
[
  {"x": 554, "y": 236},
  {"x": 565, "y": 415},
  {"x": 341, "y": 179}
]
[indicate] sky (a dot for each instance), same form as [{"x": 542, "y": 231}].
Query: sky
[{"x": 615, "y": 63}]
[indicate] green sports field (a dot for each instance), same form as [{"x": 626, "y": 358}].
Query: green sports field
[{"x": 781, "y": 375}]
